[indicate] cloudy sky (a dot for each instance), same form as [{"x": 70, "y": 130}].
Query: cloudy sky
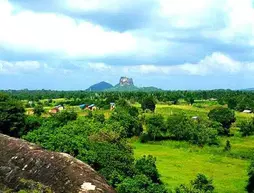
[{"x": 171, "y": 44}]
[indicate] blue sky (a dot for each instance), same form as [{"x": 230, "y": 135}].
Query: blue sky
[{"x": 171, "y": 44}]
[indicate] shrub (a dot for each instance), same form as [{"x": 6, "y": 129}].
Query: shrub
[
  {"x": 247, "y": 127},
  {"x": 227, "y": 146},
  {"x": 200, "y": 185},
  {"x": 148, "y": 103},
  {"x": 12, "y": 117},
  {"x": 250, "y": 186},
  {"x": 155, "y": 126},
  {"x": 147, "y": 166},
  {"x": 224, "y": 116}
]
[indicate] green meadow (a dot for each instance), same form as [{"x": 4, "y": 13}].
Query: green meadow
[{"x": 179, "y": 162}]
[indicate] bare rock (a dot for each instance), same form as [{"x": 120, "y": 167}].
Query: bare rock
[{"x": 59, "y": 171}]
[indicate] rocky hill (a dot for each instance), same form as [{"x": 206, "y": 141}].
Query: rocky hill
[
  {"x": 125, "y": 84},
  {"x": 20, "y": 160},
  {"x": 100, "y": 86},
  {"x": 125, "y": 81}
]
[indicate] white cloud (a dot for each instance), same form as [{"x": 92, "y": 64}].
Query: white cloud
[
  {"x": 188, "y": 14},
  {"x": 18, "y": 67},
  {"x": 27, "y": 31},
  {"x": 97, "y": 5},
  {"x": 217, "y": 63},
  {"x": 239, "y": 21},
  {"x": 99, "y": 66}
]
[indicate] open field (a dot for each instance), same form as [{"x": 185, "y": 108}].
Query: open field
[
  {"x": 180, "y": 162},
  {"x": 227, "y": 169}
]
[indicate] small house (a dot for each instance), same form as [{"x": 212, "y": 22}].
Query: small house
[
  {"x": 247, "y": 111},
  {"x": 91, "y": 107},
  {"x": 112, "y": 106},
  {"x": 83, "y": 106},
  {"x": 60, "y": 107},
  {"x": 54, "y": 110},
  {"x": 195, "y": 118}
]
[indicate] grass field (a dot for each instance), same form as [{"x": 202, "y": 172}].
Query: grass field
[{"x": 180, "y": 162}]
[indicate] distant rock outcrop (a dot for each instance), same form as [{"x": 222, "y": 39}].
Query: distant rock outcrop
[
  {"x": 59, "y": 171},
  {"x": 125, "y": 81}
]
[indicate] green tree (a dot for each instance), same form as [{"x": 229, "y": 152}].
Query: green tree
[
  {"x": 12, "y": 117},
  {"x": 140, "y": 184},
  {"x": 155, "y": 126},
  {"x": 232, "y": 103},
  {"x": 200, "y": 185},
  {"x": 190, "y": 100},
  {"x": 38, "y": 110},
  {"x": 250, "y": 186},
  {"x": 224, "y": 116},
  {"x": 147, "y": 166},
  {"x": 99, "y": 117},
  {"x": 148, "y": 103},
  {"x": 247, "y": 127},
  {"x": 64, "y": 117}
]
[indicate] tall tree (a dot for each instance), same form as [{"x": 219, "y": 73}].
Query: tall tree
[{"x": 12, "y": 117}]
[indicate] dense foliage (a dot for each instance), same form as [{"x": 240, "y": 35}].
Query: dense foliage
[
  {"x": 148, "y": 103},
  {"x": 200, "y": 185},
  {"x": 12, "y": 116},
  {"x": 102, "y": 141},
  {"x": 224, "y": 116},
  {"x": 250, "y": 186},
  {"x": 180, "y": 127},
  {"x": 247, "y": 127}
]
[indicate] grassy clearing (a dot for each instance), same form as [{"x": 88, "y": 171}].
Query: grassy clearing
[{"x": 179, "y": 162}]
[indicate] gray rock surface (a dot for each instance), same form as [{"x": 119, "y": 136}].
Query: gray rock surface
[
  {"x": 59, "y": 171},
  {"x": 124, "y": 81}
]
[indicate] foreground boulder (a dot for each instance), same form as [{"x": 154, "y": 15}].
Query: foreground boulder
[{"x": 59, "y": 171}]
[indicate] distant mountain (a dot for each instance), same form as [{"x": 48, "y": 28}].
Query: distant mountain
[
  {"x": 127, "y": 84},
  {"x": 100, "y": 86}
]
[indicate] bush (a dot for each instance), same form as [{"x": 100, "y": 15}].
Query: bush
[
  {"x": 146, "y": 165},
  {"x": 38, "y": 110},
  {"x": 12, "y": 117},
  {"x": 250, "y": 186},
  {"x": 224, "y": 116},
  {"x": 155, "y": 126},
  {"x": 144, "y": 137},
  {"x": 247, "y": 127},
  {"x": 227, "y": 146},
  {"x": 180, "y": 127},
  {"x": 140, "y": 184},
  {"x": 99, "y": 118},
  {"x": 148, "y": 103},
  {"x": 200, "y": 185}
]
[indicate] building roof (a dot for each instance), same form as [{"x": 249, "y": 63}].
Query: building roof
[
  {"x": 92, "y": 105},
  {"x": 247, "y": 111}
]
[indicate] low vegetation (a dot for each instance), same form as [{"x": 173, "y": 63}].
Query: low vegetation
[{"x": 182, "y": 142}]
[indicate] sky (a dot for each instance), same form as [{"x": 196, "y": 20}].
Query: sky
[{"x": 170, "y": 44}]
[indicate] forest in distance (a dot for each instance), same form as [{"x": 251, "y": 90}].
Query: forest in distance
[{"x": 143, "y": 142}]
